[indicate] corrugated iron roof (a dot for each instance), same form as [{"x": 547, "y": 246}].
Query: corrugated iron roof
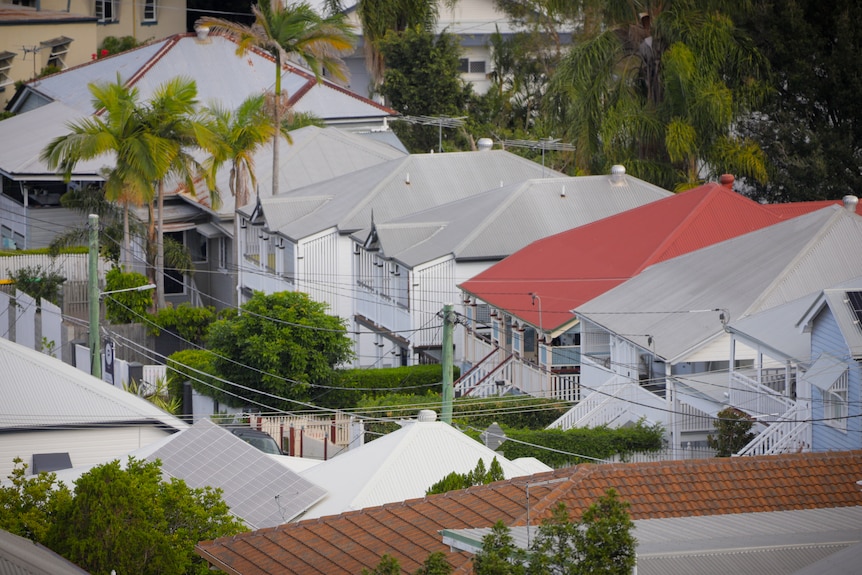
[
  {"x": 678, "y": 301},
  {"x": 403, "y": 186},
  {"x": 20, "y": 556},
  {"x": 410, "y": 531},
  {"x": 398, "y": 466},
  {"x": 40, "y": 391},
  {"x": 496, "y": 223},
  {"x": 575, "y": 266}
]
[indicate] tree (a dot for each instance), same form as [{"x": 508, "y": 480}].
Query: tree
[
  {"x": 288, "y": 30},
  {"x": 130, "y": 521},
  {"x": 422, "y": 78},
  {"x": 661, "y": 94},
  {"x": 811, "y": 126},
  {"x": 605, "y": 541},
  {"x": 128, "y": 306},
  {"x": 388, "y": 565},
  {"x": 280, "y": 344},
  {"x": 27, "y": 503},
  {"x": 435, "y": 564},
  {"x": 499, "y": 554},
  {"x": 478, "y": 476},
  {"x": 732, "y": 432}
]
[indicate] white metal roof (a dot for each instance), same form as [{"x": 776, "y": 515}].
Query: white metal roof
[
  {"x": 401, "y": 465},
  {"x": 399, "y": 187},
  {"x": 497, "y": 223},
  {"x": 39, "y": 391},
  {"x": 678, "y": 302}
]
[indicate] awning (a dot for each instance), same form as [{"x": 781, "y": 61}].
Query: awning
[
  {"x": 825, "y": 371},
  {"x": 209, "y": 231}
]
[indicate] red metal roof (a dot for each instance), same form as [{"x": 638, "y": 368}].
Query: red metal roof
[
  {"x": 348, "y": 543},
  {"x": 570, "y": 268}
]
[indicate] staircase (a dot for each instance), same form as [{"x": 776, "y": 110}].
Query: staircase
[
  {"x": 610, "y": 402},
  {"x": 482, "y": 380},
  {"x": 789, "y": 434}
]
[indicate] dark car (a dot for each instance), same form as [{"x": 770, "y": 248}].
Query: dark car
[{"x": 258, "y": 439}]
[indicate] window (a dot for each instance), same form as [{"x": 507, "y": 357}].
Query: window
[
  {"x": 463, "y": 65},
  {"x": 30, "y": 3},
  {"x": 5, "y": 68},
  {"x": 59, "y": 49},
  {"x": 835, "y": 402},
  {"x": 149, "y": 10},
  {"x": 477, "y": 67},
  {"x": 467, "y": 66},
  {"x": 105, "y": 11},
  {"x": 174, "y": 279},
  {"x": 221, "y": 248}
]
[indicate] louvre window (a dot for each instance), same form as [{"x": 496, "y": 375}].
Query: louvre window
[
  {"x": 59, "y": 49},
  {"x": 835, "y": 400},
  {"x": 5, "y": 68}
]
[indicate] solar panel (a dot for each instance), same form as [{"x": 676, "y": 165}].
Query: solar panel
[
  {"x": 258, "y": 489},
  {"x": 855, "y": 299}
]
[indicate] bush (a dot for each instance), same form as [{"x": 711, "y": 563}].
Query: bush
[
  {"x": 38, "y": 283},
  {"x": 594, "y": 443},
  {"x": 186, "y": 365},
  {"x": 129, "y": 306},
  {"x": 349, "y": 387},
  {"x": 189, "y": 322}
]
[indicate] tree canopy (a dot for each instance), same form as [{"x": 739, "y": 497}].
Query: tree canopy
[
  {"x": 118, "y": 519},
  {"x": 280, "y": 344}
]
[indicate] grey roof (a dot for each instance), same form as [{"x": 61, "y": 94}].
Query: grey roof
[
  {"x": 677, "y": 302},
  {"x": 49, "y": 103},
  {"x": 394, "y": 189},
  {"x": 845, "y": 317},
  {"x": 844, "y": 562},
  {"x": 258, "y": 489},
  {"x": 40, "y": 391},
  {"x": 764, "y": 543},
  {"x": 20, "y": 556},
  {"x": 497, "y": 223}
]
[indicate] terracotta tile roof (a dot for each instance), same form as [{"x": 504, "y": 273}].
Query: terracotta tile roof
[
  {"x": 575, "y": 266},
  {"x": 346, "y": 544}
]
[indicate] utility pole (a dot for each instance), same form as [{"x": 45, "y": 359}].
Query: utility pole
[
  {"x": 93, "y": 285},
  {"x": 448, "y": 390}
]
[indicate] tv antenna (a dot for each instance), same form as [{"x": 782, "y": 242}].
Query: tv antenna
[
  {"x": 34, "y": 50},
  {"x": 543, "y": 144},
  {"x": 439, "y": 121}
]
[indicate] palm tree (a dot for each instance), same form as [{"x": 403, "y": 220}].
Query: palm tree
[
  {"x": 659, "y": 90},
  {"x": 290, "y": 30},
  {"x": 115, "y": 129}
]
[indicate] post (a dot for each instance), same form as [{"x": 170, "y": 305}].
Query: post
[
  {"x": 93, "y": 292},
  {"x": 446, "y": 360}
]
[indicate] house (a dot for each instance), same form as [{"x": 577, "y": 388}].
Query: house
[
  {"x": 409, "y": 267},
  {"x": 20, "y": 556},
  {"x": 67, "y": 33},
  {"x": 403, "y": 465},
  {"x": 411, "y": 530},
  {"x": 656, "y": 345},
  {"x": 31, "y": 192},
  {"x": 473, "y": 22},
  {"x": 56, "y": 416},
  {"x": 519, "y": 329},
  {"x": 806, "y": 372},
  {"x": 301, "y": 240}
]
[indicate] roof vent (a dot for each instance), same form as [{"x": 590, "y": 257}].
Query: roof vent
[
  {"x": 850, "y": 203},
  {"x": 427, "y": 415},
  {"x": 618, "y": 172},
  {"x": 485, "y": 144},
  {"x": 727, "y": 180},
  {"x": 203, "y": 32},
  {"x": 407, "y": 178},
  {"x": 563, "y": 192}
]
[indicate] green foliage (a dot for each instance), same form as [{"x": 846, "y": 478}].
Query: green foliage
[
  {"x": 422, "y": 79},
  {"x": 606, "y": 542},
  {"x": 600, "y": 542},
  {"x": 281, "y": 344},
  {"x": 388, "y": 566},
  {"x": 361, "y": 384},
  {"x": 27, "y": 504},
  {"x": 38, "y": 283},
  {"x": 195, "y": 365},
  {"x": 597, "y": 442},
  {"x": 48, "y": 70},
  {"x": 185, "y": 320},
  {"x": 499, "y": 554},
  {"x": 115, "y": 45},
  {"x": 133, "y": 522},
  {"x": 129, "y": 306},
  {"x": 478, "y": 476},
  {"x": 732, "y": 432},
  {"x": 434, "y": 564},
  {"x": 159, "y": 395}
]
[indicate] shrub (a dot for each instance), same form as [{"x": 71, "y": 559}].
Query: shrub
[
  {"x": 38, "y": 283},
  {"x": 189, "y": 322},
  {"x": 129, "y": 306}
]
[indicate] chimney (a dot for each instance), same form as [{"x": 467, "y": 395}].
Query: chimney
[
  {"x": 850, "y": 203},
  {"x": 727, "y": 180}
]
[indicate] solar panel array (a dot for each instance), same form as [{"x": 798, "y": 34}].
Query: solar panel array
[{"x": 258, "y": 489}]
